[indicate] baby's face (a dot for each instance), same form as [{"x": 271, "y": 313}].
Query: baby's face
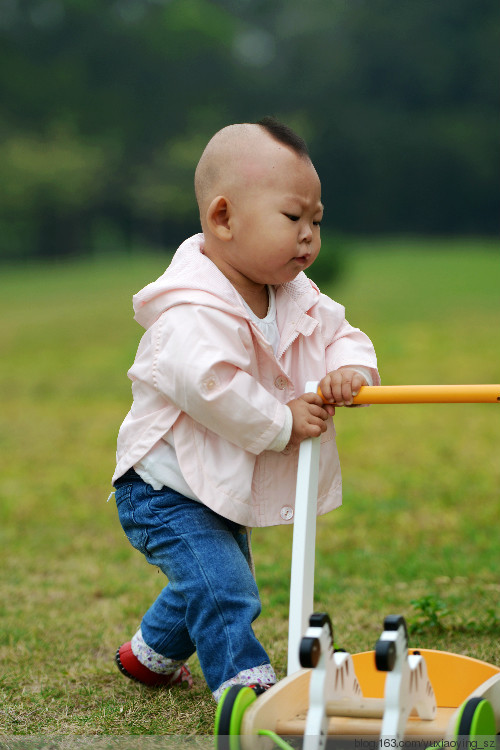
[{"x": 276, "y": 220}]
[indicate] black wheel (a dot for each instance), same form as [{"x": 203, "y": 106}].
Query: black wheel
[
  {"x": 385, "y": 655},
  {"x": 310, "y": 652},
  {"x": 229, "y": 716},
  {"x": 476, "y": 719}
]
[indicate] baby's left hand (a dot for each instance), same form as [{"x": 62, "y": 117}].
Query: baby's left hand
[{"x": 340, "y": 386}]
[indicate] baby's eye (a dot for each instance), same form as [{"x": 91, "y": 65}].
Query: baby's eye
[
  {"x": 292, "y": 217},
  {"x": 317, "y": 223}
]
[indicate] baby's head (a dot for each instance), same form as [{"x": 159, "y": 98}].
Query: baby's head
[{"x": 260, "y": 203}]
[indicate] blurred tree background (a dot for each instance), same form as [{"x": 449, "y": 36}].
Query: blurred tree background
[{"x": 106, "y": 107}]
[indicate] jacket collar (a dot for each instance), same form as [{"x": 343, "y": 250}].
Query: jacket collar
[{"x": 192, "y": 277}]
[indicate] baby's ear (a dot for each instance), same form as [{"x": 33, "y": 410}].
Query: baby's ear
[{"x": 219, "y": 218}]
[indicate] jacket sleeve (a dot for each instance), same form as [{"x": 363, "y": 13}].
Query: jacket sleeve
[
  {"x": 203, "y": 362},
  {"x": 344, "y": 344}
]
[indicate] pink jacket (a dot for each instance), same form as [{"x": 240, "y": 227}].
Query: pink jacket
[{"x": 204, "y": 371}]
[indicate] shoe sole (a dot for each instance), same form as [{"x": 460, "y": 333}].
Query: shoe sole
[
  {"x": 183, "y": 685},
  {"x": 122, "y": 668}
]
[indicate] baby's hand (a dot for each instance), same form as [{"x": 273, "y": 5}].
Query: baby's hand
[
  {"x": 309, "y": 417},
  {"x": 341, "y": 385}
]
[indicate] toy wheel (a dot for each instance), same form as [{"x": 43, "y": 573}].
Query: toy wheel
[
  {"x": 476, "y": 719},
  {"x": 385, "y": 655},
  {"x": 310, "y": 652},
  {"x": 229, "y": 716}
]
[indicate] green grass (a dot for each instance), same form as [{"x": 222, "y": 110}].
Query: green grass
[{"x": 417, "y": 534}]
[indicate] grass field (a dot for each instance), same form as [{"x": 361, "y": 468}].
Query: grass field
[{"x": 418, "y": 533}]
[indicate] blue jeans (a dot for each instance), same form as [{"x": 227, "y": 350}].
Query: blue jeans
[{"x": 211, "y": 598}]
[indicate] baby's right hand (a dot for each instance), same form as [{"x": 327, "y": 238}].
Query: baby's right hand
[{"x": 309, "y": 417}]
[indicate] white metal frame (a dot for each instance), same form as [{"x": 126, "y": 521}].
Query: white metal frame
[{"x": 304, "y": 544}]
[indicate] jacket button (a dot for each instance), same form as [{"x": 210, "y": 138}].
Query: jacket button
[
  {"x": 286, "y": 513},
  {"x": 281, "y": 382}
]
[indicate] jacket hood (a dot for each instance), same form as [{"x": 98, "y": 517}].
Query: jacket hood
[{"x": 192, "y": 278}]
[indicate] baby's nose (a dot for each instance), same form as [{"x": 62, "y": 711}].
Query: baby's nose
[{"x": 306, "y": 233}]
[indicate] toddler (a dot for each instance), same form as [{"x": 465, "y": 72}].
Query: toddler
[{"x": 209, "y": 449}]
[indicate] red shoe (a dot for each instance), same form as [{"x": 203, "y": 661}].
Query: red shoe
[{"x": 131, "y": 667}]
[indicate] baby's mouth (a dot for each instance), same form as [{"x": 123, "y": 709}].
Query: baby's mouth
[{"x": 302, "y": 259}]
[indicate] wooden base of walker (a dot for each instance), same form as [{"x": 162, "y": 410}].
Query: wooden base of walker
[
  {"x": 390, "y": 696},
  {"x": 283, "y": 709}
]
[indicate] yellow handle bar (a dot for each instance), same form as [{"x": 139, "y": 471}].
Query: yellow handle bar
[{"x": 426, "y": 394}]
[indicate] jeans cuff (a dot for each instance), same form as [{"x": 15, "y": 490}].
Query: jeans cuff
[
  {"x": 263, "y": 675},
  {"x": 151, "y": 659}
]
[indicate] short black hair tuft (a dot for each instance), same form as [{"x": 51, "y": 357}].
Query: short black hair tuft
[{"x": 282, "y": 133}]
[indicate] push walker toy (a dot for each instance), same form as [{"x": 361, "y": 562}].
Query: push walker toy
[{"x": 385, "y": 695}]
